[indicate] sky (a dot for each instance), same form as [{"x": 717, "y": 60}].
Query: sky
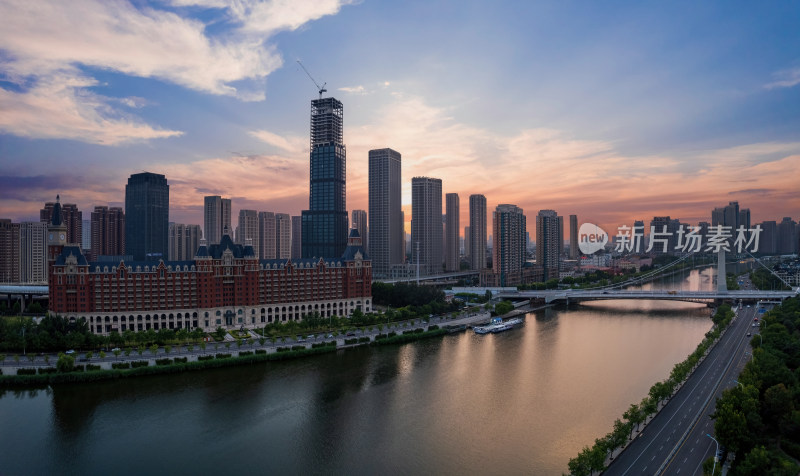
[{"x": 614, "y": 111}]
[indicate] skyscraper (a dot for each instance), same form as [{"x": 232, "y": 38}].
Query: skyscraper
[
  {"x": 33, "y": 252},
  {"x": 266, "y": 233},
  {"x": 108, "y": 232},
  {"x": 477, "y": 231},
  {"x": 359, "y": 222},
  {"x": 325, "y": 221},
  {"x": 147, "y": 216},
  {"x": 768, "y": 242},
  {"x": 9, "y": 251},
  {"x": 283, "y": 235},
  {"x": 71, "y": 217},
  {"x": 247, "y": 229},
  {"x": 86, "y": 234},
  {"x": 787, "y": 236},
  {"x": 297, "y": 237},
  {"x": 548, "y": 249},
  {"x": 452, "y": 233},
  {"x": 426, "y": 224},
  {"x": 574, "y": 251},
  {"x": 508, "y": 250},
  {"x": 216, "y": 218},
  {"x": 385, "y": 218}
]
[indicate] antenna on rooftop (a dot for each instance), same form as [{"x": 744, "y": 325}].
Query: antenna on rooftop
[{"x": 321, "y": 89}]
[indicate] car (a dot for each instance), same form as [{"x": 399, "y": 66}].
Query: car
[
  {"x": 311, "y": 336},
  {"x": 330, "y": 335},
  {"x": 69, "y": 352},
  {"x": 351, "y": 334},
  {"x": 116, "y": 349},
  {"x": 748, "y": 334},
  {"x": 300, "y": 339}
]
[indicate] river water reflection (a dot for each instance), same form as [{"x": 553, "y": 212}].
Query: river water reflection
[{"x": 521, "y": 402}]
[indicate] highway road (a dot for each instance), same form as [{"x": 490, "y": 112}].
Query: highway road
[{"x": 675, "y": 441}]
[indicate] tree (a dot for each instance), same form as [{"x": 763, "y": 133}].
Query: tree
[
  {"x": 46, "y": 359},
  {"x": 116, "y": 352},
  {"x": 65, "y": 363},
  {"x": 140, "y": 350},
  {"x": 203, "y": 346},
  {"x": 89, "y": 355},
  {"x": 503, "y": 307},
  {"x": 102, "y": 355},
  {"x": 167, "y": 349},
  {"x": 154, "y": 349}
]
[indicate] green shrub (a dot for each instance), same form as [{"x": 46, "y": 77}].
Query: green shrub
[
  {"x": 433, "y": 327},
  {"x": 121, "y": 365},
  {"x": 79, "y": 368},
  {"x": 139, "y": 363},
  {"x": 283, "y": 349},
  {"x": 260, "y": 351},
  {"x": 47, "y": 370},
  {"x": 245, "y": 353},
  {"x": 92, "y": 367},
  {"x": 201, "y": 358},
  {"x": 364, "y": 339},
  {"x": 26, "y": 371},
  {"x": 298, "y": 347},
  {"x": 181, "y": 360},
  {"x": 163, "y": 361},
  {"x": 223, "y": 356},
  {"x": 350, "y": 341}
]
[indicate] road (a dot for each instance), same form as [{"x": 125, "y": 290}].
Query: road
[{"x": 675, "y": 441}]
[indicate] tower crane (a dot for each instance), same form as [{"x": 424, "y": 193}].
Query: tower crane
[{"x": 320, "y": 88}]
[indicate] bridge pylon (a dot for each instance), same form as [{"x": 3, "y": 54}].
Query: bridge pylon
[{"x": 722, "y": 282}]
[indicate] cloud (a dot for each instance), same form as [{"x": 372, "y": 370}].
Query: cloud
[
  {"x": 288, "y": 143},
  {"x": 786, "y": 78},
  {"x": 354, "y": 89},
  {"x": 59, "y": 106},
  {"x": 41, "y": 42}
]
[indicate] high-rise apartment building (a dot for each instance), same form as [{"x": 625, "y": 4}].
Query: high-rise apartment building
[
  {"x": 477, "y": 231},
  {"x": 147, "y": 216},
  {"x": 548, "y": 248},
  {"x": 108, "y": 232},
  {"x": 71, "y": 217},
  {"x": 266, "y": 233},
  {"x": 466, "y": 244},
  {"x": 787, "y": 236},
  {"x": 33, "y": 252},
  {"x": 768, "y": 241},
  {"x": 325, "y": 221},
  {"x": 359, "y": 222},
  {"x": 184, "y": 241},
  {"x": 508, "y": 250},
  {"x": 385, "y": 218},
  {"x": 426, "y": 224},
  {"x": 247, "y": 232},
  {"x": 664, "y": 233},
  {"x": 574, "y": 251},
  {"x": 283, "y": 236},
  {"x": 9, "y": 251},
  {"x": 297, "y": 237},
  {"x": 86, "y": 234},
  {"x": 216, "y": 218},
  {"x": 452, "y": 232}
]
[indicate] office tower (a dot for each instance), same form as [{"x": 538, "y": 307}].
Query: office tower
[
  {"x": 787, "y": 236},
  {"x": 184, "y": 240},
  {"x": 768, "y": 241},
  {"x": 663, "y": 230},
  {"x": 508, "y": 250},
  {"x": 216, "y": 218},
  {"x": 297, "y": 237},
  {"x": 33, "y": 252},
  {"x": 732, "y": 215},
  {"x": 283, "y": 236},
  {"x": 86, "y": 234},
  {"x": 266, "y": 233},
  {"x": 359, "y": 222},
  {"x": 406, "y": 238},
  {"x": 452, "y": 233},
  {"x": 147, "y": 216},
  {"x": 247, "y": 232},
  {"x": 477, "y": 230},
  {"x": 560, "y": 236},
  {"x": 385, "y": 219},
  {"x": 71, "y": 217},
  {"x": 325, "y": 221},
  {"x": 574, "y": 251},
  {"x": 9, "y": 251},
  {"x": 108, "y": 232},
  {"x": 426, "y": 224},
  {"x": 547, "y": 243}
]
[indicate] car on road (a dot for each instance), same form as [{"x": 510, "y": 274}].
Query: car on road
[
  {"x": 69, "y": 352},
  {"x": 351, "y": 334},
  {"x": 330, "y": 335},
  {"x": 300, "y": 339},
  {"x": 748, "y": 334},
  {"x": 116, "y": 349}
]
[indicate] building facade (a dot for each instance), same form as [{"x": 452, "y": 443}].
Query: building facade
[
  {"x": 225, "y": 285},
  {"x": 247, "y": 228},
  {"x": 33, "y": 252},
  {"x": 266, "y": 235},
  {"x": 71, "y": 216},
  {"x": 574, "y": 249},
  {"x": 385, "y": 218},
  {"x": 283, "y": 236},
  {"x": 477, "y": 231},
  {"x": 184, "y": 241},
  {"x": 325, "y": 221},
  {"x": 426, "y": 224},
  {"x": 359, "y": 222},
  {"x": 452, "y": 232},
  {"x": 147, "y": 216},
  {"x": 9, "y": 251},
  {"x": 297, "y": 237}
]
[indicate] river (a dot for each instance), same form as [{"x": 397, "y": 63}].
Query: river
[{"x": 521, "y": 402}]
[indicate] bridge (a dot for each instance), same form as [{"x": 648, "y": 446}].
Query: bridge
[{"x": 577, "y": 295}]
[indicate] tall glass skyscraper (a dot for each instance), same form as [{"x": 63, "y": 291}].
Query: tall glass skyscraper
[
  {"x": 147, "y": 217},
  {"x": 325, "y": 221}
]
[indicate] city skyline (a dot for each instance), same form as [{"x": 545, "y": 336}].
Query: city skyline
[{"x": 654, "y": 130}]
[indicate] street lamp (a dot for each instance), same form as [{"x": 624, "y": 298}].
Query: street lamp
[{"x": 715, "y": 454}]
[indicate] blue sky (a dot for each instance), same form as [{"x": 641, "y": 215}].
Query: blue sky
[{"x": 615, "y": 111}]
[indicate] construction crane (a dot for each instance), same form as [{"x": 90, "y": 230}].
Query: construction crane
[{"x": 320, "y": 88}]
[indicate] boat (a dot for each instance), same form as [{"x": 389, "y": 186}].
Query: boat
[{"x": 498, "y": 325}]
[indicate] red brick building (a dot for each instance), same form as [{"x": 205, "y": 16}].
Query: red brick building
[{"x": 226, "y": 285}]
